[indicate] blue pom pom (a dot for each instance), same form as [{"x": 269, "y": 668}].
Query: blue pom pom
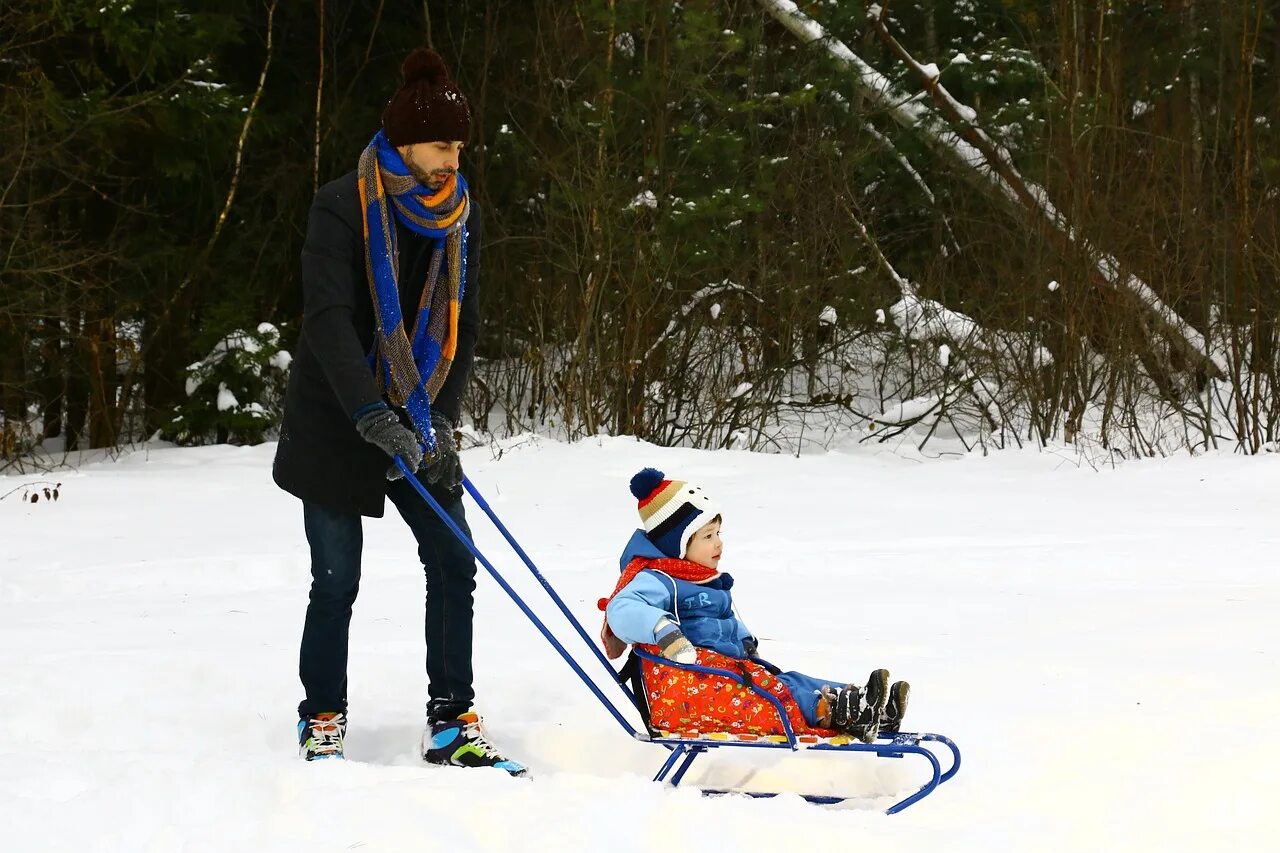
[{"x": 643, "y": 484}]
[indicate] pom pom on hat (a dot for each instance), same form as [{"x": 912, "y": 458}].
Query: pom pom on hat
[
  {"x": 671, "y": 510},
  {"x": 643, "y": 483},
  {"x": 424, "y": 64}
]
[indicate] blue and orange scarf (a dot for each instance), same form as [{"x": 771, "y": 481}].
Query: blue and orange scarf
[{"x": 411, "y": 371}]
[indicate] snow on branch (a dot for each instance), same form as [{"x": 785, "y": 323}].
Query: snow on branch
[
  {"x": 888, "y": 145},
  {"x": 689, "y": 307}
]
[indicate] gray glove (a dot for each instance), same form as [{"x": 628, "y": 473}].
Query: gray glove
[
  {"x": 382, "y": 427},
  {"x": 444, "y": 468},
  {"x": 751, "y": 646}
]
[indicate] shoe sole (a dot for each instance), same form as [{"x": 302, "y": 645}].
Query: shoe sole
[
  {"x": 877, "y": 696},
  {"x": 899, "y": 695}
]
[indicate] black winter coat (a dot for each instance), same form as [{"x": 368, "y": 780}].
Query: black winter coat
[{"x": 321, "y": 458}]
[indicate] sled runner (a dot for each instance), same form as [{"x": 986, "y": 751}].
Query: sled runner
[{"x": 685, "y": 746}]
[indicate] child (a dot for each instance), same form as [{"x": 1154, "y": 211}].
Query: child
[{"x": 672, "y": 597}]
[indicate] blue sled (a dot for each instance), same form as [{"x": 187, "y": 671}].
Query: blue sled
[{"x": 685, "y": 750}]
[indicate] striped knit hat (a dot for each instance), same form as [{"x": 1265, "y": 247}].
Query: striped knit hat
[{"x": 671, "y": 510}]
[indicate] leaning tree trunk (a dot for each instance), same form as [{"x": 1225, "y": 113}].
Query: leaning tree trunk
[{"x": 989, "y": 166}]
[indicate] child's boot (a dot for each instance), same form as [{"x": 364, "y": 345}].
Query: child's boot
[
  {"x": 896, "y": 707},
  {"x": 847, "y": 708},
  {"x": 875, "y": 698}
]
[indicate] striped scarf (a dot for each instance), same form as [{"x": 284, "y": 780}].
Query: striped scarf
[{"x": 411, "y": 371}]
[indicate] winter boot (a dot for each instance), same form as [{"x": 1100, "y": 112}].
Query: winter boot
[
  {"x": 874, "y": 699},
  {"x": 321, "y": 735},
  {"x": 847, "y": 708},
  {"x": 459, "y": 741},
  {"x": 896, "y": 707}
]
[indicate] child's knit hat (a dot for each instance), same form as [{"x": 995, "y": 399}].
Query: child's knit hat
[{"x": 671, "y": 510}]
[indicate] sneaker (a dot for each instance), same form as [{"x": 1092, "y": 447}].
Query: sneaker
[
  {"x": 876, "y": 696},
  {"x": 321, "y": 735},
  {"x": 460, "y": 742},
  {"x": 896, "y": 707}
]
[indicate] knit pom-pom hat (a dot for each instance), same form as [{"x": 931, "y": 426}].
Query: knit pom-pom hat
[
  {"x": 428, "y": 107},
  {"x": 671, "y": 510}
]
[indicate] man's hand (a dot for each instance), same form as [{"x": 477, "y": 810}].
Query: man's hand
[
  {"x": 444, "y": 468},
  {"x": 382, "y": 427}
]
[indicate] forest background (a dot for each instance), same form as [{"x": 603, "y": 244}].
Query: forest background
[{"x": 751, "y": 223}]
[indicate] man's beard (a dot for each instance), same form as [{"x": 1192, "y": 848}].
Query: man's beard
[{"x": 431, "y": 180}]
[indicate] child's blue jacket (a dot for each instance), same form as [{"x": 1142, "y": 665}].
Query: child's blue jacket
[{"x": 704, "y": 611}]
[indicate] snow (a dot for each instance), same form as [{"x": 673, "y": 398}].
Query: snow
[
  {"x": 908, "y": 410},
  {"x": 1053, "y": 285},
  {"x": 1101, "y": 645},
  {"x": 925, "y": 319},
  {"x": 961, "y": 59},
  {"x": 944, "y": 355},
  {"x": 828, "y": 316},
  {"x": 644, "y": 199},
  {"x": 226, "y": 399}
]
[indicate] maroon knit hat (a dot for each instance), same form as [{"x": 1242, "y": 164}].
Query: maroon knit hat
[{"x": 428, "y": 107}]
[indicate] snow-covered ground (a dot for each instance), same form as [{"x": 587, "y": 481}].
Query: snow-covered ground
[{"x": 1101, "y": 644}]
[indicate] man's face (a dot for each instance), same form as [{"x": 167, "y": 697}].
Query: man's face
[{"x": 431, "y": 163}]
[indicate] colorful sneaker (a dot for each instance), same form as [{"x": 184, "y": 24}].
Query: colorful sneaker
[
  {"x": 896, "y": 707},
  {"x": 460, "y": 742},
  {"x": 321, "y": 735},
  {"x": 874, "y": 699}
]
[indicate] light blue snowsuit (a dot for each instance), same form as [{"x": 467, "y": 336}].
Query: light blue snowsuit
[{"x": 704, "y": 612}]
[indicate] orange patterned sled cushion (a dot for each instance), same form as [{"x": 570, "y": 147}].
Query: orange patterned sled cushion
[{"x": 687, "y": 702}]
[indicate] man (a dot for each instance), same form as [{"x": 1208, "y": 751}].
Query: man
[{"x": 390, "y": 316}]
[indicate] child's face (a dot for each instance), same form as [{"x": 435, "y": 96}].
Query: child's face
[{"x": 705, "y": 547}]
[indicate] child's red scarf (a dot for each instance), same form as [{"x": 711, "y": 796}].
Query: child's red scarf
[{"x": 685, "y": 570}]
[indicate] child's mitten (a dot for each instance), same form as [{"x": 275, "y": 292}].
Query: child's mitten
[{"x": 673, "y": 643}]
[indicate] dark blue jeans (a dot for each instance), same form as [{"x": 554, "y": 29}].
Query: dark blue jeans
[{"x": 336, "y": 540}]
